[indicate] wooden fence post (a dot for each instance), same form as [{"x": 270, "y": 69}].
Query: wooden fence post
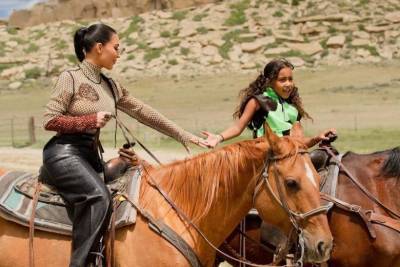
[
  {"x": 12, "y": 132},
  {"x": 31, "y": 130}
]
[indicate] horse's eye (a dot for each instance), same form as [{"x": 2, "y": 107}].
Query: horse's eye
[{"x": 292, "y": 184}]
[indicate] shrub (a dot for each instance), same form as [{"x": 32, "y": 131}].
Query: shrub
[
  {"x": 199, "y": 17},
  {"x": 33, "y": 73},
  {"x": 31, "y": 48},
  {"x": 202, "y": 30},
  {"x": 179, "y": 15},
  {"x": 134, "y": 26},
  {"x": 165, "y": 34},
  {"x": 152, "y": 54},
  {"x": 173, "y": 62},
  {"x": 237, "y": 16}
]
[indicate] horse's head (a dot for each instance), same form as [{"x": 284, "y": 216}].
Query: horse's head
[{"x": 287, "y": 194}]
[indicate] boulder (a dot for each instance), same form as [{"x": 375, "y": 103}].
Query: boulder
[
  {"x": 251, "y": 47},
  {"x": 360, "y": 42},
  {"x": 296, "y": 61},
  {"x": 336, "y": 41},
  {"x": 308, "y": 49},
  {"x": 393, "y": 17},
  {"x": 276, "y": 51},
  {"x": 15, "y": 85},
  {"x": 361, "y": 34}
]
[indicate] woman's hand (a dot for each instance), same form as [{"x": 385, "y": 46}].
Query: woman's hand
[
  {"x": 102, "y": 118},
  {"x": 212, "y": 139},
  {"x": 199, "y": 141}
]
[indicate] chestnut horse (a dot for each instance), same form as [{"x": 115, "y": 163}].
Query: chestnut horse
[
  {"x": 379, "y": 173},
  {"x": 215, "y": 190}
]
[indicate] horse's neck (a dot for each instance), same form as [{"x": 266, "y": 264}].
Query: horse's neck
[
  {"x": 367, "y": 170},
  {"x": 231, "y": 202}
]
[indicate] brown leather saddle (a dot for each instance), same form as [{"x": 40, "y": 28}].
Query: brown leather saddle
[{"x": 17, "y": 190}]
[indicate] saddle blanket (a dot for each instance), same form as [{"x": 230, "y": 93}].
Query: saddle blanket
[{"x": 16, "y": 193}]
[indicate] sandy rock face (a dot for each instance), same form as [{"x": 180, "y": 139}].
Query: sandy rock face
[{"x": 54, "y": 10}]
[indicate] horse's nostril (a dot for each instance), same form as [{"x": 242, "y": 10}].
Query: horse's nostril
[{"x": 321, "y": 248}]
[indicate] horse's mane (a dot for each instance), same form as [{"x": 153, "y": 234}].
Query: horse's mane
[
  {"x": 199, "y": 179},
  {"x": 391, "y": 166}
]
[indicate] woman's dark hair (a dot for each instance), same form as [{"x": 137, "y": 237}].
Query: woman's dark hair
[
  {"x": 86, "y": 37},
  {"x": 265, "y": 79}
]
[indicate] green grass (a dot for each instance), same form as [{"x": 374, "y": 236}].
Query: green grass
[{"x": 360, "y": 101}]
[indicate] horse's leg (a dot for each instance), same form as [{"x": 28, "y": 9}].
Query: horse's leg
[{"x": 50, "y": 249}]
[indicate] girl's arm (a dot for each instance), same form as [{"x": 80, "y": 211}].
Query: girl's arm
[{"x": 235, "y": 129}]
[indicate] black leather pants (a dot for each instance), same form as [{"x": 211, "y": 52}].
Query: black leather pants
[{"x": 72, "y": 163}]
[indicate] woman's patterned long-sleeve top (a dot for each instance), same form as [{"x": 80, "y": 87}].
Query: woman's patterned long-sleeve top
[{"x": 82, "y": 92}]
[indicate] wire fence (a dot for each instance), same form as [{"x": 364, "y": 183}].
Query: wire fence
[{"x": 20, "y": 131}]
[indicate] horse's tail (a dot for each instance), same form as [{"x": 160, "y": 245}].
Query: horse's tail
[{"x": 391, "y": 166}]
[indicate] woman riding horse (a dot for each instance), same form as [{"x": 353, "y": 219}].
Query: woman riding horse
[{"x": 82, "y": 103}]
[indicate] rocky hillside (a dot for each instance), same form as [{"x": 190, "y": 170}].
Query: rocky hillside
[
  {"x": 54, "y": 10},
  {"x": 231, "y": 36}
]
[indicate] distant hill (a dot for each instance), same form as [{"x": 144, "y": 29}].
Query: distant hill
[
  {"x": 55, "y": 10},
  {"x": 229, "y": 36}
]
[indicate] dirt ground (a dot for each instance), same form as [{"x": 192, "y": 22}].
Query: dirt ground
[{"x": 30, "y": 159}]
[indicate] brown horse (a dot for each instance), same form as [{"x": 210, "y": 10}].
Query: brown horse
[
  {"x": 379, "y": 173},
  {"x": 216, "y": 190}
]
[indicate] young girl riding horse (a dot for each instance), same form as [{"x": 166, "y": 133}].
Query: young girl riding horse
[{"x": 273, "y": 98}]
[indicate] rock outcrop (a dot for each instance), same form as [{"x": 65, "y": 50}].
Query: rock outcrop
[{"x": 56, "y": 10}]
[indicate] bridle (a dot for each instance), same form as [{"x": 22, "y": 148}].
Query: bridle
[{"x": 296, "y": 218}]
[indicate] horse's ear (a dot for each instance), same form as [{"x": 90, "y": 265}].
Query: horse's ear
[
  {"x": 297, "y": 130},
  {"x": 272, "y": 138}
]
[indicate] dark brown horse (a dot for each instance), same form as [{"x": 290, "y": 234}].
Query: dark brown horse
[{"x": 379, "y": 173}]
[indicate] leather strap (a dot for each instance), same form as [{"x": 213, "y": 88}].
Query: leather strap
[
  {"x": 354, "y": 209},
  {"x": 361, "y": 187},
  {"x": 32, "y": 224},
  {"x": 384, "y": 221}
]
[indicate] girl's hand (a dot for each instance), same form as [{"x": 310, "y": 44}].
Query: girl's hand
[
  {"x": 212, "y": 139},
  {"x": 325, "y": 135},
  {"x": 199, "y": 141},
  {"x": 102, "y": 118}
]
